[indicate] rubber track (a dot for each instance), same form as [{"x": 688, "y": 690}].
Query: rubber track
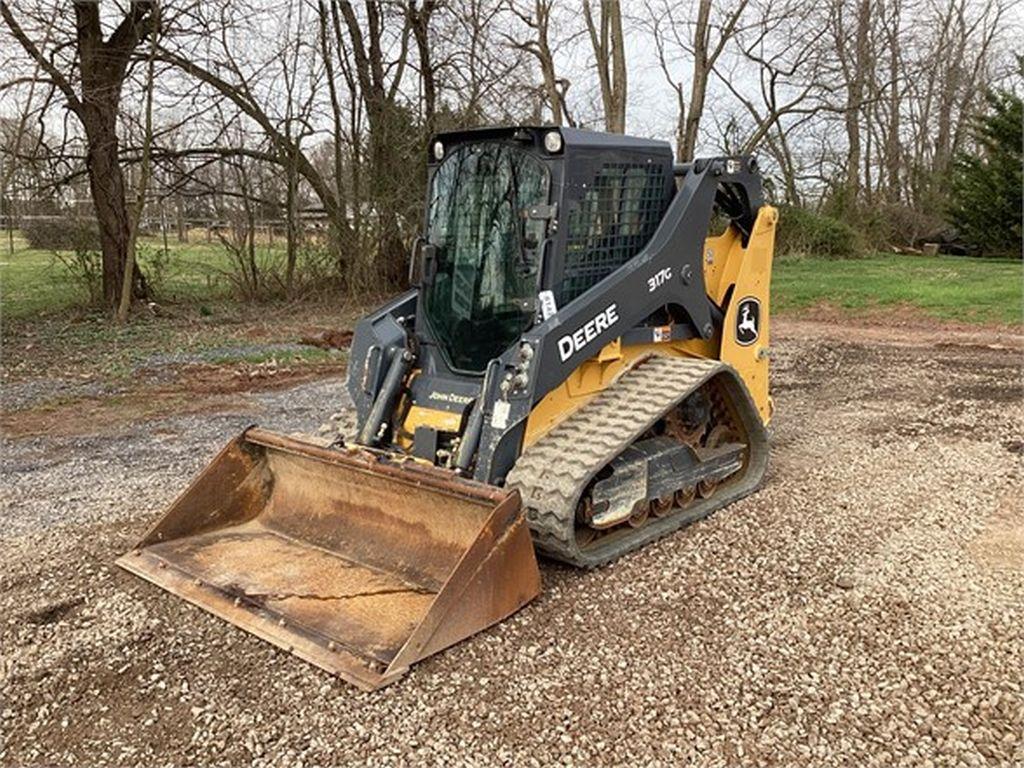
[{"x": 553, "y": 472}]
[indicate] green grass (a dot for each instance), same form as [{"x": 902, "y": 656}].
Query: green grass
[
  {"x": 49, "y": 327},
  {"x": 193, "y": 279},
  {"x": 949, "y": 288},
  {"x": 34, "y": 281}
]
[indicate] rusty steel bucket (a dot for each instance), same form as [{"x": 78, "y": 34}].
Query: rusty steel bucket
[{"x": 355, "y": 563}]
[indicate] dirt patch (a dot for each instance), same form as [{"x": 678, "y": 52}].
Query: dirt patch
[
  {"x": 326, "y": 338},
  {"x": 195, "y": 389},
  {"x": 989, "y": 393},
  {"x": 88, "y": 344},
  {"x": 1001, "y": 543},
  {"x": 903, "y": 329},
  {"x": 903, "y": 315},
  {"x": 48, "y": 614},
  {"x": 1002, "y": 547},
  {"x": 106, "y": 415}
]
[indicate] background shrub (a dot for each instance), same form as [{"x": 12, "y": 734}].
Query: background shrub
[
  {"x": 807, "y": 232},
  {"x": 61, "y": 233},
  {"x": 84, "y": 267},
  {"x": 902, "y": 225}
]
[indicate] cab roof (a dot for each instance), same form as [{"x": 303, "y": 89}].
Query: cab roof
[{"x": 573, "y": 138}]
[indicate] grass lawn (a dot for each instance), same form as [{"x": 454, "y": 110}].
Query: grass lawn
[
  {"x": 49, "y": 329},
  {"x": 950, "y": 288},
  {"x": 34, "y": 282}
]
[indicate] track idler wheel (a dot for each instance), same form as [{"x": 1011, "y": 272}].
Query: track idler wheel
[
  {"x": 662, "y": 506},
  {"x": 685, "y": 496},
  {"x": 706, "y": 488},
  {"x": 641, "y": 512}
]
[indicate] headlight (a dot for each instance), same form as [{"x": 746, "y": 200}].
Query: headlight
[
  {"x": 553, "y": 142},
  {"x": 438, "y": 150}
]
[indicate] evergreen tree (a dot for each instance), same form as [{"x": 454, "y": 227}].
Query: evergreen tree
[{"x": 986, "y": 201}]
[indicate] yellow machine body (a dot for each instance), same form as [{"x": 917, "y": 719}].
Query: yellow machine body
[{"x": 729, "y": 270}]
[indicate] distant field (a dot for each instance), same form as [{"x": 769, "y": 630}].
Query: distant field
[{"x": 947, "y": 288}]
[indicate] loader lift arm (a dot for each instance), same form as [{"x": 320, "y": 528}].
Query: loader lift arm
[{"x": 677, "y": 246}]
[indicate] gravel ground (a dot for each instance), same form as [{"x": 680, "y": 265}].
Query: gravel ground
[
  {"x": 16, "y": 395},
  {"x": 865, "y": 608}
]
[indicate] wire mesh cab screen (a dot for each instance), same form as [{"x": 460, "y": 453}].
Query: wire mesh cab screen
[{"x": 616, "y": 212}]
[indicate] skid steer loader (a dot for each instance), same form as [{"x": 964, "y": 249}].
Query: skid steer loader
[{"x": 579, "y": 368}]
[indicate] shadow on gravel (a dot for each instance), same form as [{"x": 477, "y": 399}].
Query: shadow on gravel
[{"x": 54, "y": 612}]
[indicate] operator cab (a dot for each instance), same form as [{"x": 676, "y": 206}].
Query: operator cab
[{"x": 514, "y": 212}]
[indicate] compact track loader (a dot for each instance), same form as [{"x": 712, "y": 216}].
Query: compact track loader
[{"x": 579, "y": 368}]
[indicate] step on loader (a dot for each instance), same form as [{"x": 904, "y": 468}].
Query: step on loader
[{"x": 579, "y": 368}]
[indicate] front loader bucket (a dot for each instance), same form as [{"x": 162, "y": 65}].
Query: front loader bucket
[{"x": 357, "y": 564}]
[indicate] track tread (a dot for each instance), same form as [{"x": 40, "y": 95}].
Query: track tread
[{"x": 552, "y": 473}]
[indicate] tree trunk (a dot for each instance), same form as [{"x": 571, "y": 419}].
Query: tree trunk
[
  {"x": 854, "y": 103},
  {"x": 179, "y": 217},
  {"x": 699, "y": 86},
  {"x": 384, "y": 117},
  {"x": 419, "y": 21},
  {"x": 681, "y": 156},
  {"x": 554, "y": 88},
  {"x": 291, "y": 229},
  {"x": 610, "y": 56},
  {"x": 106, "y": 183},
  {"x": 892, "y": 134},
  {"x": 135, "y": 215},
  {"x": 613, "y": 11},
  {"x": 104, "y": 66}
]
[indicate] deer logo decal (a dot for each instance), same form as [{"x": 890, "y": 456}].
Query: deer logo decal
[{"x": 748, "y": 321}]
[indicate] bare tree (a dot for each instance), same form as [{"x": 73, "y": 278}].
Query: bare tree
[
  {"x": 891, "y": 107},
  {"x": 485, "y": 78},
  {"x": 89, "y": 69},
  {"x": 702, "y": 41},
  {"x": 135, "y": 215},
  {"x": 963, "y": 36},
  {"x": 14, "y": 134},
  {"x": 419, "y": 16},
  {"x": 609, "y": 46},
  {"x": 854, "y": 56},
  {"x": 783, "y": 50},
  {"x": 236, "y": 81},
  {"x": 537, "y": 20},
  {"x": 256, "y": 121},
  {"x": 379, "y": 80}
]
